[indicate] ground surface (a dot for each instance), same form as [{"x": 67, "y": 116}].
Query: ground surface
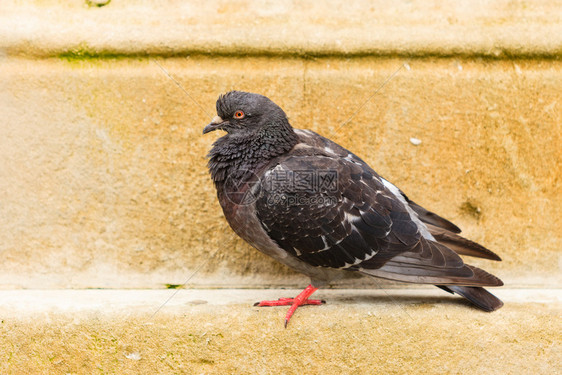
[{"x": 218, "y": 331}]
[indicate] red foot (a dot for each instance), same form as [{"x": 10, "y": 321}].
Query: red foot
[{"x": 300, "y": 300}]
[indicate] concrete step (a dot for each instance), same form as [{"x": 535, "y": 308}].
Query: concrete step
[
  {"x": 403, "y": 28},
  {"x": 26, "y": 302},
  {"x": 395, "y": 331}
]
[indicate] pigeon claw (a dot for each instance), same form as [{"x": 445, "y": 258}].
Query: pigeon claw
[
  {"x": 300, "y": 300},
  {"x": 288, "y": 302}
]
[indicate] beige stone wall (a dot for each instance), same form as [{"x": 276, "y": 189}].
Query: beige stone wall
[
  {"x": 102, "y": 163},
  {"x": 502, "y": 28}
]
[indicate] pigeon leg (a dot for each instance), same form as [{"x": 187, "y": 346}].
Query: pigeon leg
[{"x": 300, "y": 300}]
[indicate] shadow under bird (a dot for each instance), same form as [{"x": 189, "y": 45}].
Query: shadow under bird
[{"x": 319, "y": 209}]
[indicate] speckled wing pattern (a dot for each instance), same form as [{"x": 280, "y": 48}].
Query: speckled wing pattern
[{"x": 328, "y": 208}]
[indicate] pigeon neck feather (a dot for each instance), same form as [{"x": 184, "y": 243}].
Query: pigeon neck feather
[{"x": 242, "y": 154}]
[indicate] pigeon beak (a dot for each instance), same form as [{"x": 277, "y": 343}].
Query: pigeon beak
[{"x": 215, "y": 124}]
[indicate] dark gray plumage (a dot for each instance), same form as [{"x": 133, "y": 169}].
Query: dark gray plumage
[{"x": 318, "y": 208}]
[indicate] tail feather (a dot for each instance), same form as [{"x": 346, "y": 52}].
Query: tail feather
[
  {"x": 479, "y": 296},
  {"x": 432, "y": 218},
  {"x": 460, "y": 244}
]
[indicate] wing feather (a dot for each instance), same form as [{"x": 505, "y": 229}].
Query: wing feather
[{"x": 360, "y": 223}]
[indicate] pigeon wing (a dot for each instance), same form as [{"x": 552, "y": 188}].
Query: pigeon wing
[
  {"x": 320, "y": 210},
  {"x": 333, "y": 212}
]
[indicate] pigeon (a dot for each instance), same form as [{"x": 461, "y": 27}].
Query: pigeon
[{"x": 321, "y": 210}]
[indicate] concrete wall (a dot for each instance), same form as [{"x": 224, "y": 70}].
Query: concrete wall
[{"x": 103, "y": 176}]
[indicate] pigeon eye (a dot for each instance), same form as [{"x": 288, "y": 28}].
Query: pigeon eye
[{"x": 238, "y": 114}]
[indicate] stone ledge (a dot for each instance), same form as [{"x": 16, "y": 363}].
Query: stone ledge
[
  {"x": 360, "y": 332},
  {"x": 131, "y": 28},
  {"x": 29, "y": 303}
]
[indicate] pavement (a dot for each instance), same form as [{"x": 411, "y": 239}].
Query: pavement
[{"x": 218, "y": 331}]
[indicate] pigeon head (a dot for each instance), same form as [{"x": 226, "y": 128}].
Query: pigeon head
[
  {"x": 257, "y": 131},
  {"x": 241, "y": 112}
]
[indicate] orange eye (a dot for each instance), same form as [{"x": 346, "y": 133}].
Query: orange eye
[{"x": 239, "y": 114}]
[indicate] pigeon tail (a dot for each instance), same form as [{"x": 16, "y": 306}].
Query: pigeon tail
[
  {"x": 461, "y": 245},
  {"x": 478, "y": 296}
]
